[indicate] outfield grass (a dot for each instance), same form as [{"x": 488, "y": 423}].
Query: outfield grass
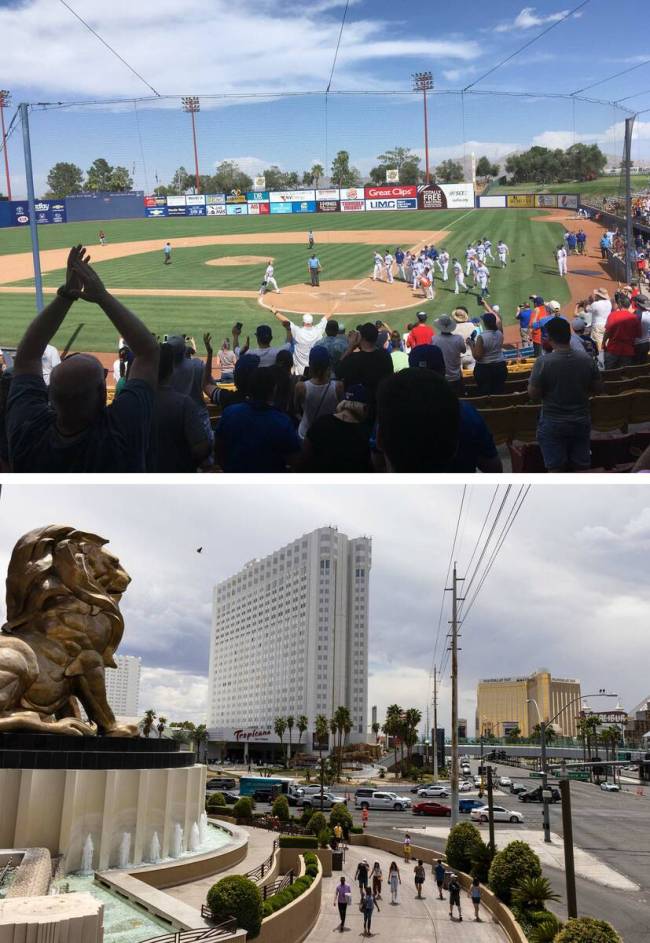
[
  {"x": 603, "y": 186},
  {"x": 532, "y": 270}
]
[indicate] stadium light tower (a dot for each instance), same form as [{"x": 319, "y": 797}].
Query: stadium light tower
[
  {"x": 5, "y": 99},
  {"x": 423, "y": 82},
  {"x": 192, "y": 104}
]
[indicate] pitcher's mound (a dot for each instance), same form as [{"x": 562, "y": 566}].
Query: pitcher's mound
[
  {"x": 240, "y": 260},
  {"x": 344, "y": 296}
]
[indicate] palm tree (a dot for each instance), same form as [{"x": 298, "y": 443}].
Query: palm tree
[
  {"x": 322, "y": 730},
  {"x": 279, "y": 726},
  {"x": 302, "y": 724},
  {"x": 162, "y": 723},
  {"x": 290, "y": 726},
  {"x": 412, "y": 719},
  {"x": 201, "y": 737},
  {"x": 334, "y": 730},
  {"x": 392, "y": 726},
  {"x": 375, "y": 729},
  {"x": 343, "y": 723},
  {"x": 532, "y": 893},
  {"x": 147, "y": 723},
  {"x": 316, "y": 173},
  {"x": 513, "y": 733}
]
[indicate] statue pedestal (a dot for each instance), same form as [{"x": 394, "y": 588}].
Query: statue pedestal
[
  {"x": 68, "y": 918},
  {"x": 56, "y": 790}
]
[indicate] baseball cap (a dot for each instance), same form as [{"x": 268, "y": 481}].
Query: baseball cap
[
  {"x": 445, "y": 324},
  {"x": 308, "y": 319},
  {"x": 369, "y": 333},
  {"x": 578, "y": 325},
  {"x": 319, "y": 356},
  {"x": 538, "y": 300},
  {"x": 356, "y": 393},
  {"x": 422, "y": 315},
  {"x": 428, "y": 357},
  {"x": 642, "y": 302},
  {"x": 554, "y": 305},
  {"x": 263, "y": 333}
]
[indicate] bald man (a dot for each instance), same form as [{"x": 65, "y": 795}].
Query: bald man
[{"x": 76, "y": 431}]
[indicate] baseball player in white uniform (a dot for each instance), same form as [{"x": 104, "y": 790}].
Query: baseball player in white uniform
[
  {"x": 480, "y": 252},
  {"x": 561, "y": 256},
  {"x": 470, "y": 255},
  {"x": 378, "y": 267},
  {"x": 388, "y": 266},
  {"x": 269, "y": 280},
  {"x": 488, "y": 249},
  {"x": 459, "y": 276},
  {"x": 483, "y": 279},
  {"x": 443, "y": 264},
  {"x": 503, "y": 252},
  {"x": 417, "y": 268}
]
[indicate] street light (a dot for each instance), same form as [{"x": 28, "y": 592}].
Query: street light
[
  {"x": 5, "y": 99},
  {"x": 192, "y": 104},
  {"x": 423, "y": 82}
]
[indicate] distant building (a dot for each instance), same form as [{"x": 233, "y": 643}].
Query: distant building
[
  {"x": 638, "y": 724},
  {"x": 462, "y": 728},
  {"x": 502, "y": 704},
  {"x": 123, "y": 685}
]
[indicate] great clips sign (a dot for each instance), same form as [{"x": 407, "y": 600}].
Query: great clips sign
[{"x": 391, "y": 193}]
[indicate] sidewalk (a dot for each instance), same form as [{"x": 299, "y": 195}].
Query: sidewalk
[{"x": 412, "y": 921}]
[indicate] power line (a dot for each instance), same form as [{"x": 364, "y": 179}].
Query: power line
[
  {"x": 108, "y": 46},
  {"x": 451, "y": 558},
  {"x": 470, "y": 583},
  {"x": 529, "y": 43},
  {"x": 338, "y": 43},
  {"x": 635, "y": 95},
  {"x": 610, "y": 78}
]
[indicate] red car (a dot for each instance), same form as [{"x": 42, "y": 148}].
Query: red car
[{"x": 430, "y": 808}]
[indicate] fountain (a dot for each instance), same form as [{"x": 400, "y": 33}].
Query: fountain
[
  {"x": 177, "y": 842},
  {"x": 125, "y": 848},
  {"x": 203, "y": 827},
  {"x": 195, "y": 838},
  {"x": 154, "y": 850},
  {"x": 87, "y": 855}
]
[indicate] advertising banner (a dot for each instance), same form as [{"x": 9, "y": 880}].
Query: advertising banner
[
  {"x": 19, "y": 213},
  {"x": 195, "y": 210},
  {"x": 216, "y": 209},
  {"x": 155, "y": 201},
  {"x": 280, "y": 207},
  {"x": 237, "y": 209},
  {"x": 460, "y": 196},
  {"x": 257, "y": 196},
  {"x": 521, "y": 201},
  {"x": 353, "y": 206},
  {"x": 259, "y": 209},
  {"x": 290, "y": 196},
  {"x": 352, "y": 193},
  {"x": 259, "y": 182},
  {"x": 211, "y": 198},
  {"x": 195, "y": 199},
  {"x": 403, "y": 204},
  {"x": 392, "y": 176},
  {"x": 236, "y": 197},
  {"x": 176, "y": 210},
  {"x": 305, "y": 206},
  {"x": 49, "y": 211},
  {"x": 492, "y": 202},
  {"x": 391, "y": 192},
  {"x": 153, "y": 212},
  {"x": 567, "y": 201},
  {"x": 176, "y": 200},
  {"x": 546, "y": 200},
  {"x": 327, "y": 206},
  {"x": 331, "y": 193}
]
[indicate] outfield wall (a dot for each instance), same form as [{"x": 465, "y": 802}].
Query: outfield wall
[{"x": 529, "y": 201}]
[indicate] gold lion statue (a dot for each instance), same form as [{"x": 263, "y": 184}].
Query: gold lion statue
[{"x": 63, "y": 627}]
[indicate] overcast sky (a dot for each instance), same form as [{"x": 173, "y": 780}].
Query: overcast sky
[
  {"x": 569, "y": 590},
  {"x": 270, "y": 47}
]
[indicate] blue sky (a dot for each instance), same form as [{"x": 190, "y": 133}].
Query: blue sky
[{"x": 264, "y": 47}]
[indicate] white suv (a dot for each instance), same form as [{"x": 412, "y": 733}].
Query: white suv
[{"x": 382, "y": 800}]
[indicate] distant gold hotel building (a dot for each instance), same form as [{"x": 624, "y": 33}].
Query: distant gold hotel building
[{"x": 503, "y": 704}]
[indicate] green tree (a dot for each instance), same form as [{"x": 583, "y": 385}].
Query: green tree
[
  {"x": 485, "y": 168},
  {"x": 148, "y": 722},
  {"x": 229, "y": 176},
  {"x": 412, "y": 719},
  {"x": 317, "y": 823},
  {"x": 180, "y": 181},
  {"x": 302, "y": 724},
  {"x": 533, "y": 893},
  {"x": 342, "y": 174},
  {"x": 200, "y": 738},
  {"x": 160, "y": 726},
  {"x": 340, "y": 815},
  {"x": 120, "y": 181},
  {"x": 516, "y": 862},
  {"x": 243, "y": 809},
  {"x": 450, "y": 171},
  {"x": 313, "y": 176},
  {"x": 237, "y": 896},
  {"x": 290, "y": 725},
  {"x": 392, "y": 726},
  {"x": 280, "y": 808},
  {"x": 587, "y": 930},
  {"x": 514, "y": 733},
  {"x": 401, "y": 159},
  {"x": 341, "y": 726},
  {"x": 280, "y": 726},
  {"x": 463, "y": 845},
  {"x": 99, "y": 175},
  {"x": 215, "y": 802},
  {"x": 376, "y": 727},
  {"x": 277, "y": 179},
  {"x": 585, "y": 161},
  {"x": 64, "y": 179},
  {"x": 322, "y": 731}
]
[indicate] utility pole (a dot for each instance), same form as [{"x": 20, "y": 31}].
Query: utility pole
[
  {"x": 435, "y": 724},
  {"x": 5, "y": 99},
  {"x": 567, "y": 830},
  {"x": 629, "y": 129},
  {"x": 490, "y": 808},
  {"x": 454, "y": 700},
  {"x": 33, "y": 227},
  {"x": 545, "y": 806},
  {"x": 192, "y": 104},
  {"x": 423, "y": 82}
]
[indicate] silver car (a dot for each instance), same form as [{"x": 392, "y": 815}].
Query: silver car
[{"x": 383, "y": 800}]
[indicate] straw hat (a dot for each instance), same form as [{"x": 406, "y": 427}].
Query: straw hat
[
  {"x": 602, "y": 293},
  {"x": 460, "y": 316}
]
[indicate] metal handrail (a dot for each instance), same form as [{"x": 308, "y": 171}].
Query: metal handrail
[
  {"x": 204, "y": 934},
  {"x": 270, "y": 889},
  {"x": 257, "y": 873}
]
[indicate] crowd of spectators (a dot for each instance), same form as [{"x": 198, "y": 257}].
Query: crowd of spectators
[{"x": 313, "y": 399}]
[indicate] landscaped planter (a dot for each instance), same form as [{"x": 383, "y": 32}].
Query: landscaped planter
[{"x": 294, "y": 923}]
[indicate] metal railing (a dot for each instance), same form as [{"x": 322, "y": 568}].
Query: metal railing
[
  {"x": 256, "y": 874},
  {"x": 270, "y": 889},
  {"x": 204, "y": 934}
]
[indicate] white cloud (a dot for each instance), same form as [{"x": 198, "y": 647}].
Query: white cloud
[
  {"x": 528, "y": 19},
  {"x": 250, "y": 165},
  {"x": 174, "y": 694}
]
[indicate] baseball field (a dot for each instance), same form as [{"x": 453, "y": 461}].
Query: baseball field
[{"x": 218, "y": 264}]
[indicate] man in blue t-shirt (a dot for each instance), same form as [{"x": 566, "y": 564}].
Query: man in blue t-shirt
[
  {"x": 399, "y": 262},
  {"x": 523, "y": 315},
  {"x": 313, "y": 266}
]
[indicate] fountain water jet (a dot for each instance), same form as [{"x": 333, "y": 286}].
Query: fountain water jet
[
  {"x": 177, "y": 841},
  {"x": 87, "y": 855},
  {"x": 203, "y": 827},
  {"x": 125, "y": 849},
  {"x": 195, "y": 838},
  {"x": 154, "y": 850}
]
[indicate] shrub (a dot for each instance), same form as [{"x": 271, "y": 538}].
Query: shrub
[
  {"x": 324, "y": 837},
  {"x": 481, "y": 859},
  {"x": 515, "y": 863},
  {"x": 356, "y": 830},
  {"x": 532, "y": 893},
  {"x": 237, "y": 896},
  {"x": 280, "y": 808},
  {"x": 306, "y": 815},
  {"x": 317, "y": 823},
  {"x": 215, "y": 801},
  {"x": 243, "y": 809},
  {"x": 340, "y": 816},
  {"x": 311, "y": 864},
  {"x": 464, "y": 843},
  {"x": 282, "y": 898},
  {"x": 587, "y": 930},
  {"x": 298, "y": 841},
  {"x": 546, "y": 930}
]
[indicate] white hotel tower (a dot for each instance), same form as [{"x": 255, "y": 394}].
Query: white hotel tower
[{"x": 290, "y": 636}]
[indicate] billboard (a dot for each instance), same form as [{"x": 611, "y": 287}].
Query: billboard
[
  {"x": 155, "y": 201},
  {"x": 259, "y": 209},
  {"x": 236, "y": 209},
  {"x": 331, "y": 193},
  {"x": 521, "y": 201},
  {"x": 102, "y": 205},
  {"x": 280, "y": 207},
  {"x": 567, "y": 201},
  {"x": 211, "y": 198},
  {"x": 327, "y": 206},
  {"x": 176, "y": 210},
  {"x": 305, "y": 206},
  {"x": 216, "y": 209},
  {"x": 176, "y": 200},
  {"x": 391, "y": 192},
  {"x": 195, "y": 210},
  {"x": 352, "y": 193},
  {"x": 291, "y": 196},
  {"x": 492, "y": 202},
  {"x": 353, "y": 206},
  {"x": 236, "y": 197},
  {"x": 50, "y": 211},
  {"x": 392, "y": 204},
  {"x": 195, "y": 199},
  {"x": 155, "y": 212},
  {"x": 452, "y": 196},
  {"x": 392, "y": 176},
  {"x": 257, "y": 196},
  {"x": 259, "y": 182},
  {"x": 546, "y": 200}
]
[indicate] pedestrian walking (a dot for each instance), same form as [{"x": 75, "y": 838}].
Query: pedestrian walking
[
  {"x": 439, "y": 874},
  {"x": 377, "y": 877},
  {"x": 364, "y": 817},
  {"x": 475, "y": 897},
  {"x": 342, "y": 899},
  {"x": 394, "y": 880},
  {"x": 368, "y": 905},
  {"x": 167, "y": 253},
  {"x": 454, "y": 897},
  {"x": 419, "y": 874},
  {"x": 407, "y": 847},
  {"x": 361, "y": 876}
]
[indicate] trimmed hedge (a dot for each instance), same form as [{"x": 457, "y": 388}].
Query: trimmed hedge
[
  {"x": 311, "y": 864},
  {"x": 587, "y": 930},
  {"x": 317, "y": 823},
  {"x": 510, "y": 866},
  {"x": 280, "y": 808},
  {"x": 340, "y": 815},
  {"x": 237, "y": 896},
  {"x": 215, "y": 801},
  {"x": 463, "y": 846},
  {"x": 356, "y": 830},
  {"x": 243, "y": 809},
  {"x": 280, "y": 900},
  {"x": 298, "y": 841}
]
